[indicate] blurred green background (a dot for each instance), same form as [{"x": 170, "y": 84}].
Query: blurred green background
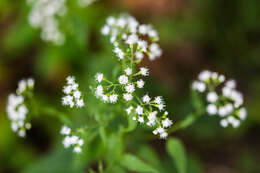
[{"x": 218, "y": 35}]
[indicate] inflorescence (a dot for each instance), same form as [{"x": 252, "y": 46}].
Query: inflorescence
[
  {"x": 125, "y": 32},
  {"x": 44, "y": 15},
  {"x": 131, "y": 42},
  {"x": 71, "y": 140},
  {"x": 222, "y": 98},
  {"x": 16, "y": 107},
  {"x": 72, "y": 96}
]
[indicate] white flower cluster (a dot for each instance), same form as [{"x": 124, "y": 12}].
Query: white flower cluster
[
  {"x": 227, "y": 104},
  {"x": 73, "y": 95},
  {"x": 16, "y": 108},
  {"x": 142, "y": 38},
  {"x": 145, "y": 110},
  {"x": 71, "y": 140},
  {"x": 44, "y": 15}
]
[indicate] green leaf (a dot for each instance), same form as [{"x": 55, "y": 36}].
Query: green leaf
[
  {"x": 133, "y": 163},
  {"x": 177, "y": 152}
]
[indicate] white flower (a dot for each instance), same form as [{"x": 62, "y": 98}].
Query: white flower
[
  {"x": 127, "y": 96},
  {"x": 99, "y": 91},
  {"x": 199, "y": 86},
  {"x": 113, "y": 98},
  {"x": 242, "y": 113},
  {"x": 155, "y": 51},
  {"x": 123, "y": 79},
  {"x": 105, "y": 30},
  {"x": 212, "y": 109},
  {"x": 104, "y": 98},
  {"x": 77, "y": 149},
  {"x": 204, "y": 75},
  {"x": 132, "y": 39},
  {"x": 143, "y": 45},
  {"x": 77, "y": 94},
  {"x": 146, "y": 99},
  {"x": 158, "y": 100},
  {"x": 67, "y": 89},
  {"x": 140, "y": 119},
  {"x": 129, "y": 109},
  {"x": 144, "y": 71},
  {"x": 139, "y": 110},
  {"x": 130, "y": 88},
  {"x": 119, "y": 53},
  {"x": 166, "y": 123},
  {"x": 143, "y": 29},
  {"x": 212, "y": 97},
  {"x": 222, "y": 111},
  {"x": 99, "y": 77},
  {"x": 231, "y": 84},
  {"x": 65, "y": 130},
  {"x": 139, "y": 55},
  {"x": 152, "y": 118},
  {"x": 163, "y": 135},
  {"x": 224, "y": 123},
  {"x": 80, "y": 103},
  {"x": 140, "y": 83},
  {"x": 128, "y": 71}
]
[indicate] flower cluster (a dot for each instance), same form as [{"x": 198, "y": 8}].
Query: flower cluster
[
  {"x": 44, "y": 15},
  {"x": 227, "y": 103},
  {"x": 142, "y": 38},
  {"x": 71, "y": 140},
  {"x": 16, "y": 107},
  {"x": 144, "y": 110},
  {"x": 73, "y": 95}
]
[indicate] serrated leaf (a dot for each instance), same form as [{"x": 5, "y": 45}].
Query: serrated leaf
[
  {"x": 133, "y": 163},
  {"x": 176, "y": 150}
]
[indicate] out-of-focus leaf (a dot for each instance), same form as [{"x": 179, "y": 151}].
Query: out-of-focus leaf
[
  {"x": 133, "y": 163},
  {"x": 177, "y": 152}
]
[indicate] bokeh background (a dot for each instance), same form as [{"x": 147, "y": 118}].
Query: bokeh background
[{"x": 218, "y": 35}]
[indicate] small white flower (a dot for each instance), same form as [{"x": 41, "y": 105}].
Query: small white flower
[
  {"x": 123, "y": 79},
  {"x": 140, "y": 119},
  {"x": 113, "y": 98},
  {"x": 127, "y": 96},
  {"x": 158, "y": 100},
  {"x": 139, "y": 55},
  {"x": 163, "y": 135},
  {"x": 166, "y": 123},
  {"x": 70, "y": 80},
  {"x": 146, "y": 99},
  {"x": 212, "y": 109},
  {"x": 65, "y": 130},
  {"x": 144, "y": 71},
  {"x": 128, "y": 71},
  {"x": 204, "y": 75},
  {"x": 132, "y": 39},
  {"x": 130, "y": 88},
  {"x": 199, "y": 86},
  {"x": 129, "y": 109},
  {"x": 67, "y": 89},
  {"x": 152, "y": 118},
  {"x": 242, "y": 113},
  {"x": 119, "y": 53},
  {"x": 139, "y": 110},
  {"x": 231, "y": 84},
  {"x": 99, "y": 91},
  {"x": 224, "y": 123},
  {"x": 155, "y": 51},
  {"x": 80, "y": 142},
  {"x": 77, "y": 149},
  {"x": 212, "y": 97},
  {"x": 105, "y": 30},
  {"x": 140, "y": 83},
  {"x": 99, "y": 77},
  {"x": 222, "y": 111},
  {"x": 143, "y": 45},
  {"x": 104, "y": 98},
  {"x": 80, "y": 103},
  {"x": 77, "y": 94}
]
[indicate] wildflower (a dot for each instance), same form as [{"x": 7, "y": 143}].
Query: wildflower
[
  {"x": 127, "y": 96},
  {"x": 130, "y": 88},
  {"x": 113, "y": 98},
  {"x": 128, "y": 71},
  {"x": 139, "y": 110},
  {"x": 99, "y": 77},
  {"x": 72, "y": 94},
  {"x": 123, "y": 79},
  {"x": 212, "y": 109},
  {"x": 129, "y": 109},
  {"x": 146, "y": 99},
  {"x": 144, "y": 71},
  {"x": 212, "y": 97},
  {"x": 166, "y": 123},
  {"x": 140, "y": 83}
]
